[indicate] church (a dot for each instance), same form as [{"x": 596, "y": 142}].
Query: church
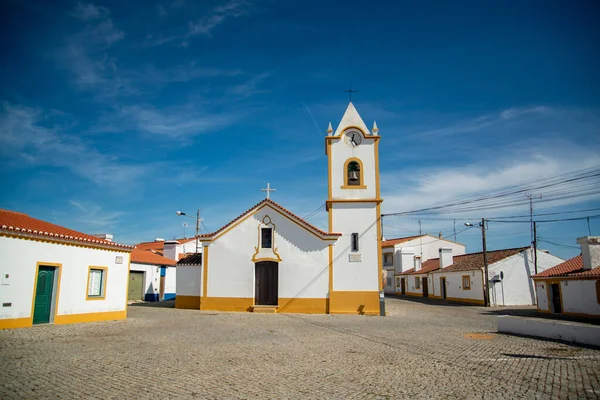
[{"x": 270, "y": 260}]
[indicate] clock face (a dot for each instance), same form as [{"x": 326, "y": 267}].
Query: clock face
[{"x": 353, "y": 138}]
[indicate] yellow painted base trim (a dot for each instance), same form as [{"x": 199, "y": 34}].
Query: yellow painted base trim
[
  {"x": 15, "y": 323},
  {"x": 89, "y": 317},
  {"x": 413, "y": 294},
  {"x": 354, "y": 302},
  {"x": 469, "y": 301},
  {"x": 304, "y": 306},
  {"x": 187, "y": 302},
  {"x": 226, "y": 303},
  {"x": 435, "y": 297},
  {"x": 570, "y": 314}
]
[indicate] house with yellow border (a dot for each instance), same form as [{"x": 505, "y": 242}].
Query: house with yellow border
[
  {"x": 270, "y": 260},
  {"x": 572, "y": 287},
  {"x": 52, "y": 274}
]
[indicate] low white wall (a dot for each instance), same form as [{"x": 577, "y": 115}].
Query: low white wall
[
  {"x": 189, "y": 280},
  {"x": 546, "y": 328}
]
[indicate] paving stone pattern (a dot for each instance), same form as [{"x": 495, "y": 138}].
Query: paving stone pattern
[{"x": 418, "y": 351}]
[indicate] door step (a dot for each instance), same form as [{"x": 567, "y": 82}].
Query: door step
[{"x": 264, "y": 309}]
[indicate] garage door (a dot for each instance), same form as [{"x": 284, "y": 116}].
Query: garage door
[{"x": 136, "y": 285}]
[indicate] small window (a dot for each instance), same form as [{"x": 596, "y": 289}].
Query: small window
[
  {"x": 388, "y": 259},
  {"x": 266, "y": 238},
  {"x": 397, "y": 281},
  {"x": 96, "y": 288},
  {"x": 466, "y": 282},
  {"x": 388, "y": 282},
  {"x": 417, "y": 283},
  {"x": 353, "y": 173},
  {"x": 355, "y": 242}
]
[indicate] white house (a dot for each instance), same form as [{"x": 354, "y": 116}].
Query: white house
[
  {"x": 402, "y": 254},
  {"x": 269, "y": 259},
  {"x": 572, "y": 287},
  {"x": 152, "y": 277},
  {"x": 52, "y": 274},
  {"x": 509, "y": 274},
  {"x": 174, "y": 249},
  {"x": 417, "y": 281}
]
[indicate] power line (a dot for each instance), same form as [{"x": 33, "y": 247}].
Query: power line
[
  {"x": 558, "y": 244},
  {"x": 551, "y": 220}
]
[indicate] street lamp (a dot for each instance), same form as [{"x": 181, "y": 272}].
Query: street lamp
[
  {"x": 197, "y": 218},
  {"x": 486, "y": 283}
]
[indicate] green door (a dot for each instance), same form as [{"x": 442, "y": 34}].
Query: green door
[
  {"x": 136, "y": 285},
  {"x": 43, "y": 295}
]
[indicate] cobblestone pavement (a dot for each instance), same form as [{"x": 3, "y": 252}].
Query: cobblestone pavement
[{"x": 418, "y": 351}]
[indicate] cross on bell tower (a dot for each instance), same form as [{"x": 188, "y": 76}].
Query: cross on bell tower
[
  {"x": 268, "y": 190},
  {"x": 350, "y": 91}
]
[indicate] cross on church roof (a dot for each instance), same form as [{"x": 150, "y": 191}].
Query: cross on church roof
[
  {"x": 268, "y": 190},
  {"x": 350, "y": 91}
]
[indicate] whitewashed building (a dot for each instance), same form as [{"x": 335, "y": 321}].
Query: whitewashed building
[
  {"x": 152, "y": 277},
  {"x": 403, "y": 254},
  {"x": 270, "y": 260},
  {"x": 509, "y": 274},
  {"x": 52, "y": 274},
  {"x": 572, "y": 287}
]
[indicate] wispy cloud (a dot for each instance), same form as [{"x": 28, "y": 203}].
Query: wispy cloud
[
  {"x": 203, "y": 26},
  {"x": 250, "y": 87},
  {"x": 89, "y": 11},
  {"x": 25, "y": 134}
]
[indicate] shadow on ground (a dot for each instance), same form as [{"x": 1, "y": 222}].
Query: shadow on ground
[{"x": 158, "y": 304}]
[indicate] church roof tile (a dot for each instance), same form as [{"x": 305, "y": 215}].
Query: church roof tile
[{"x": 140, "y": 256}]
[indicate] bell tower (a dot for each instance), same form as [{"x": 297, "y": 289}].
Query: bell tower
[{"x": 353, "y": 205}]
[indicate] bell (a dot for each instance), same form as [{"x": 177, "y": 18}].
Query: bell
[{"x": 353, "y": 176}]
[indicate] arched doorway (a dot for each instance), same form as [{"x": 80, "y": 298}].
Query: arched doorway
[{"x": 266, "y": 281}]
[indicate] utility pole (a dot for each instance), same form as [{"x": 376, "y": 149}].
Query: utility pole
[
  {"x": 589, "y": 229},
  {"x": 197, "y": 229},
  {"x": 535, "y": 246},
  {"x": 421, "y": 239},
  {"x": 454, "y": 230},
  {"x": 486, "y": 284}
]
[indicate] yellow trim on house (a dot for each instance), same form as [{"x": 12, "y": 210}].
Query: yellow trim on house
[
  {"x": 104, "y": 283},
  {"x": 188, "y": 302},
  {"x": 377, "y": 192},
  {"x": 328, "y": 202},
  {"x": 58, "y": 268},
  {"x": 354, "y": 302},
  {"x": 328, "y": 151},
  {"x": 563, "y": 278},
  {"x": 66, "y": 242},
  {"x": 128, "y": 279},
  {"x": 303, "y": 305},
  {"x": 90, "y": 317},
  {"x": 469, "y": 301},
  {"x": 417, "y": 282},
  {"x": 13, "y": 323},
  {"x": 227, "y": 303},
  {"x": 413, "y": 294},
  {"x": 549, "y": 295},
  {"x": 353, "y": 187},
  {"x": 379, "y": 250},
  {"x": 204, "y": 274}
]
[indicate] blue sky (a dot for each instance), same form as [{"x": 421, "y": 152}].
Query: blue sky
[{"x": 113, "y": 115}]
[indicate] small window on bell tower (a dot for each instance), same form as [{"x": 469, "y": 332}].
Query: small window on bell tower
[
  {"x": 353, "y": 174},
  {"x": 266, "y": 238}
]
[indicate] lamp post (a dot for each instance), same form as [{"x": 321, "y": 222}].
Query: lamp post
[
  {"x": 486, "y": 283},
  {"x": 197, "y": 218}
]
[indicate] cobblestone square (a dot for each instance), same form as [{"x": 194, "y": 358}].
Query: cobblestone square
[{"x": 418, "y": 351}]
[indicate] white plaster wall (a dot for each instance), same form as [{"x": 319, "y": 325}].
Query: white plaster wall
[
  {"x": 340, "y": 152},
  {"x": 19, "y": 258},
  {"x": 551, "y": 329},
  {"x": 356, "y": 276},
  {"x": 579, "y": 296},
  {"x": 170, "y": 280},
  {"x": 542, "y": 296},
  {"x": 151, "y": 277},
  {"x": 189, "y": 280},
  {"x": 431, "y": 247},
  {"x": 303, "y": 271},
  {"x": 454, "y": 285},
  {"x": 517, "y": 288},
  {"x": 410, "y": 284}
]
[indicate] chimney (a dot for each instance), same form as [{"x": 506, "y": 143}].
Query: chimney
[
  {"x": 106, "y": 236},
  {"x": 590, "y": 251},
  {"x": 417, "y": 261},
  {"x": 170, "y": 249},
  {"x": 440, "y": 235},
  {"x": 404, "y": 260},
  {"x": 159, "y": 240},
  {"x": 446, "y": 258}
]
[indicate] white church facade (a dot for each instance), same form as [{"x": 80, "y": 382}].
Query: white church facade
[{"x": 270, "y": 260}]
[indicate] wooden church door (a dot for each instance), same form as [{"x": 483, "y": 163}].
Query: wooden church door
[{"x": 266, "y": 277}]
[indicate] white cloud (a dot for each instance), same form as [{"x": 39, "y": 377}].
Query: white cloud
[
  {"x": 89, "y": 11},
  {"x": 24, "y": 131}
]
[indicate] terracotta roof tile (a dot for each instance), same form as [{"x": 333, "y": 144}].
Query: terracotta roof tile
[
  {"x": 140, "y": 256},
  {"x": 426, "y": 267},
  {"x": 468, "y": 262},
  {"x": 286, "y": 212},
  {"x": 160, "y": 244},
  {"x": 18, "y": 223},
  {"x": 392, "y": 242},
  {"x": 571, "y": 267},
  {"x": 191, "y": 259}
]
